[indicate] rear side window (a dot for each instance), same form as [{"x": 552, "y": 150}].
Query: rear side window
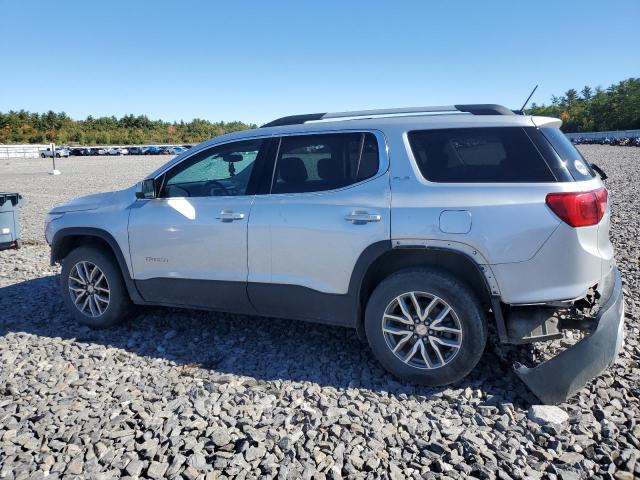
[
  {"x": 570, "y": 156},
  {"x": 471, "y": 155},
  {"x": 312, "y": 163}
]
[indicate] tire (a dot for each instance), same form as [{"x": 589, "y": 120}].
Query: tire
[
  {"x": 42, "y": 155},
  {"x": 466, "y": 316},
  {"x": 99, "y": 315},
  {"x": 18, "y": 244},
  {"x": 57, "y": 155}
]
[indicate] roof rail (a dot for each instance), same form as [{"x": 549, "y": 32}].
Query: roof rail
[{"x": 474, "y": 109}]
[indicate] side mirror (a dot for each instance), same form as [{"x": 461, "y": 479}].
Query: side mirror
[{"x": 146, "y": 189}]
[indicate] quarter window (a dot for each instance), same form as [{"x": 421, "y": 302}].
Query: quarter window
[
  {"x": 572, "y": 158},
  {"x": 224, "y": 170},
  {"x": 467, "y": 155},
  {"x": 312, "y": 163}
]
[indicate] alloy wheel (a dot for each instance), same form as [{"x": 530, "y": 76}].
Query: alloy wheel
[
  {"x": 422, "y": 330},
  {"x": 89, "y": 289}
]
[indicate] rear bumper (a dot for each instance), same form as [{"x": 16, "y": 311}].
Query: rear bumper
[{"x": 562, "y": 376}]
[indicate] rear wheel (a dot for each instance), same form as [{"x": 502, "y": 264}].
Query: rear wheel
[
  {"x": 426, "y": 327},
  {"x": 93, "y": 288}
]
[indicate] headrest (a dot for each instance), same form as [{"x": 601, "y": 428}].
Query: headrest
[
  {"x": 292, "y": 170},
  {"x": 327, "y": 170}
]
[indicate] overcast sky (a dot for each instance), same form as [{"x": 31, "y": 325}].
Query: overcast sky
[{"x": 254, "y": 61}]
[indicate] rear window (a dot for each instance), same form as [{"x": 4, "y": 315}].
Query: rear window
[
  {"x": 571, "y": 157},
  {"x": 468, "y": 155}
]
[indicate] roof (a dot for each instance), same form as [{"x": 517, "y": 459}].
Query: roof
[
  {"x": 394, "y": 122},
  {"x": 473, "y": 109}
]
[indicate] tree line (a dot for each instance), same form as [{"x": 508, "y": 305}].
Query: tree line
[
  {"x": 596, "y": 109},
  {"x": 593, "y": 109},
  {"x": 28, "y": 127}
]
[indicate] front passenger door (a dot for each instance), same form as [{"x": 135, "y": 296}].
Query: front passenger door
[{"x": 189, "y": 245}]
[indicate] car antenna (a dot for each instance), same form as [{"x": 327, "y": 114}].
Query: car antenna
[{"x": 522, "y": 112}]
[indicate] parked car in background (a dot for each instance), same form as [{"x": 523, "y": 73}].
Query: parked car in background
[
  {"x": 123, "y": 151},
  {"x": 136, "y": 150},
  {"x": 59, "y": 152},
  {"x": 151, "y": 150},
  {"x": 176, "y": 150},
  {"x": 626, "y": 141}
]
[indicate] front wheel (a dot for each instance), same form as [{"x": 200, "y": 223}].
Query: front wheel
[
  {"x": 93, "y": 288},
  {"x": 425, "y": 327}
]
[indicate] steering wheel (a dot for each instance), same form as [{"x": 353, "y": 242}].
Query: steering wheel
[{"x": 211, "y": 183}]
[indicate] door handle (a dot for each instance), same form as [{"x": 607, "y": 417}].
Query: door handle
[
  {"x": 229, "y": 216},
  {"x": 362, "y": 217}
]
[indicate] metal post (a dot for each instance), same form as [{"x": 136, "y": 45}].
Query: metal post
[{"x": 53, "y": 158}]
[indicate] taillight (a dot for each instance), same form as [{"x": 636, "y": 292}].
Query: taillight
[{"x": 579, "y": 209}]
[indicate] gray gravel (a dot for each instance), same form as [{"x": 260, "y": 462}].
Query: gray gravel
[{"x": 188, "y": 394}]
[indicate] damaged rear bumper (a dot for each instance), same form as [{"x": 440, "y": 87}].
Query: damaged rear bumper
[{"x": 562, "y": 376}]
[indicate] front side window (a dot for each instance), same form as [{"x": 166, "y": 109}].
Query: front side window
[
  {"x": 223, "y": 170},
  {"x": 468, "y": 155},
  {"x": 312, "y": 163}
]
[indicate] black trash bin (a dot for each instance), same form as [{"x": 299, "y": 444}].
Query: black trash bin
[{"x": 10, "y": 204}]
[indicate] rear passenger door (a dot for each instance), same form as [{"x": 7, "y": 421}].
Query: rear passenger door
[{"x": 328, "y": 199}]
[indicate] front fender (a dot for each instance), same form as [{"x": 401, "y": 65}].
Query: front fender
[{"x": 65, "y": 239}]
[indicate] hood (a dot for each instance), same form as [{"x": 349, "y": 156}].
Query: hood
[{"x": 96, "y": 200}]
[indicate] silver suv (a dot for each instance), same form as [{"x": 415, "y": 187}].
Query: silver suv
[{"x": 417, "y": 227}]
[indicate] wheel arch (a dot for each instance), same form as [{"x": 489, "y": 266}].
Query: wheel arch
[
  {"x": 453, "y": 261},
  {"x": 67, "y": 239}
]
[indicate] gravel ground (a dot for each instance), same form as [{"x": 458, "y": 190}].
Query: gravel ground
[{"x": 177, "y": 393}]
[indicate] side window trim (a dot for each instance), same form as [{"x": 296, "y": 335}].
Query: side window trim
[
  {"x": 261, "y": 167},
  {"x": 274, "y": 162},
  {"x": 383, "y": 158},
  {"x": 361, "y": 150}
]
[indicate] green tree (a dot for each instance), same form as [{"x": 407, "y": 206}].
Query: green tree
[
  {"x": 616, "y": 108},
  {"x": 26, "y": 127}
]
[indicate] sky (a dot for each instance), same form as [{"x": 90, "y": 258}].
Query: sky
[{"x": 254, "y": 61}]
